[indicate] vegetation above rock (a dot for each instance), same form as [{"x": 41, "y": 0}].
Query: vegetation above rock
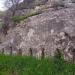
[{"x": 20, "y": 18}]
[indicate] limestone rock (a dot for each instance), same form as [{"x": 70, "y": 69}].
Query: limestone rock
[{"x": 46, "y": 30}]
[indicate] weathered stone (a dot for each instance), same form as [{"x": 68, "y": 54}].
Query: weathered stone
[{"x": 50, "y": 29}]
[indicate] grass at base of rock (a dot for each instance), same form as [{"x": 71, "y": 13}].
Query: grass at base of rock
[{"x": 24, "y": 65}]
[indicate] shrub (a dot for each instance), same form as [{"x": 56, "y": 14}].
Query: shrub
[{"x": 20, "y": 18}]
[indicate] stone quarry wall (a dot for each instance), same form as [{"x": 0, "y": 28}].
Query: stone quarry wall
[{"x": 42, "y": 34}]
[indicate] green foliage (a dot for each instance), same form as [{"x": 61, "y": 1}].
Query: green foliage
[
  {"x": 20, "y": 18},
  {"x": 1, "y": 25},
  {"x": 23, "y": 65}
]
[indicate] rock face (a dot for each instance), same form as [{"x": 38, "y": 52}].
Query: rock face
[{"x": 50, "y": 30}]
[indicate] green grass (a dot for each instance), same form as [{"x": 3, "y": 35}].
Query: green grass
[
  {"x": 20, "y": 18},
  {"x": 23, "y": 65}
]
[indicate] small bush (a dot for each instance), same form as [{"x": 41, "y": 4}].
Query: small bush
[{"x": 20, "y": 18}]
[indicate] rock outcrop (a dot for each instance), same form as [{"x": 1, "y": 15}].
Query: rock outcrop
[{"x": 49, "y": 30}]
